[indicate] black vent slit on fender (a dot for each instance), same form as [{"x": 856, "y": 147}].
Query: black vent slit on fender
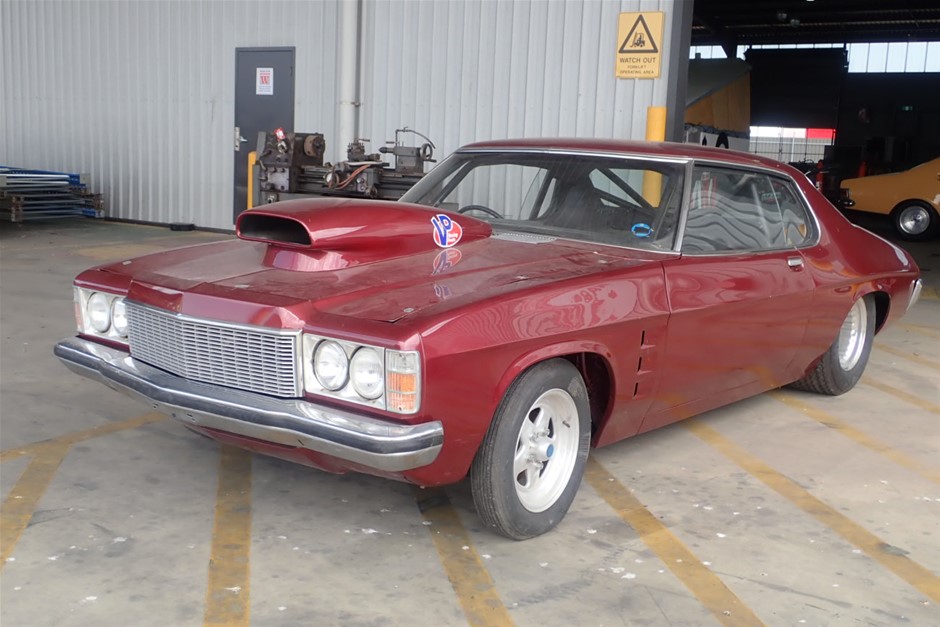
[{"x": 273, "y": 229}]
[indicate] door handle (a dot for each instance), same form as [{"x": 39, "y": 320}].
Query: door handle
[
  {"x": 239, "y": 140},
  {"x": 795, "y": 262}
]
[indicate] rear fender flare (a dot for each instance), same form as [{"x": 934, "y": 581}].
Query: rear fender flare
[{"x": 880, "y": 291}]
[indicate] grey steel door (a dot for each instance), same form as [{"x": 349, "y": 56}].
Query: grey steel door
[{"x": 264, "y": 101}]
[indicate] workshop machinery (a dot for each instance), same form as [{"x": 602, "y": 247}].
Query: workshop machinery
[{"x": 291, "y": 165}]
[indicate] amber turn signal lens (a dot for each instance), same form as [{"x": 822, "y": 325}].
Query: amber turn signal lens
[{"x": 404, "y": 383}]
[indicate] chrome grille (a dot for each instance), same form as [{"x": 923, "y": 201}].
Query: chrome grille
[{"x": 256, "y": 359}]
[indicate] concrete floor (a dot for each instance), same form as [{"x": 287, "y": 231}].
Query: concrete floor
[{"x": 785, "y": 509}]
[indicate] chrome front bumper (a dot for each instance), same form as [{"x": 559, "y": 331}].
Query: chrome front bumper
[{"x": 374, "y": 443}]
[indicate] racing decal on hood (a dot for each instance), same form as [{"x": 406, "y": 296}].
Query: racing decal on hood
[
  {"x": 446, "y": 232},
  {"x": 446, "y": 259}
]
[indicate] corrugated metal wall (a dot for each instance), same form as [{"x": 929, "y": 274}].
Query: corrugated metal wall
[
  {"x": 474, "y": 70},
  {"x": 139, "y": 94}
]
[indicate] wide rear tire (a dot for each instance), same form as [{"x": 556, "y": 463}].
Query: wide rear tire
[
  {"x": 842, "y": 365},
  {"x": 530, "y": 464}
]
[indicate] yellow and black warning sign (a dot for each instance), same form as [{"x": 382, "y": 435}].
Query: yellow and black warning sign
[{"x": 639, "y": 44}]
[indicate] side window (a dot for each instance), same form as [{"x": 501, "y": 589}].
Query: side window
[
  {"x": 732, "y": 210},
  {"x": 797, "y": 225}
]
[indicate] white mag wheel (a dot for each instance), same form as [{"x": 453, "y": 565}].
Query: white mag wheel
[
  {"x": 531, "y": 461},
  {"x": 546, "y": 450},
  {"x": 852, "y": 335},
  {"x": 841, "y": 366}
]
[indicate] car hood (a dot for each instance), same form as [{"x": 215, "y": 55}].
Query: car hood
[{"x": 383, "y": 273}]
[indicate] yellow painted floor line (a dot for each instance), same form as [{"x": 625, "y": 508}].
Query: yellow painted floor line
[
  {"x": 923, "y": 330},
  {"x": 876, "y": 548},
  {"x": 228, "y": 601},
  {"x": 707, "y": 587},
  {"x": 917, "y": 359},
  {"x": 79, "y": 436},
  {"x": 465, "y": 570},
  {"x": 930, "y": 293},
  {"x": 933, "y": 408},
  {"x": 17, "y": 510},
  {"x": 858, "y": 436}
]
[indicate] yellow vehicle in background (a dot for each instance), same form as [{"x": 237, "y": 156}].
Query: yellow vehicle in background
[{"x": 911, "y": 198}]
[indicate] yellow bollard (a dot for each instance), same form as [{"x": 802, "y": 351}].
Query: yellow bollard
[
  {"x": 655, "y": 132},
  {"x": 252, "y": 158}
]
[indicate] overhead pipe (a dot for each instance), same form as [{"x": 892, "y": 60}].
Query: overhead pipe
[{"x": 350, "y": 18}]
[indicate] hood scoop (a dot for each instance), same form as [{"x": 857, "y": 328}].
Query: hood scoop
[
  {"x": 274, "y": 229},
  {"x": 332, "y": 233}
]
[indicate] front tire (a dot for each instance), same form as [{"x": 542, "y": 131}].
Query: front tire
[
  {"x": 915, "y": 221},
  {"x": 842, "y": 365},
  {"x": 530, "y": 464}
]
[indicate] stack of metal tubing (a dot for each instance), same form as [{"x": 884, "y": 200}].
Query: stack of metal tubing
[{"x": 40, "y": 194}]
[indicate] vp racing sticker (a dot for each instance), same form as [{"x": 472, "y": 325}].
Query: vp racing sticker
[
  {"x": 446, "y": 232},
  {"x": 445, "y": 260}
]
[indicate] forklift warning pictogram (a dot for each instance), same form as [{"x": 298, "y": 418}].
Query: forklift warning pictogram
[
  {"x": 639, "y": 39},
  {"x": 639, "y": 44}
]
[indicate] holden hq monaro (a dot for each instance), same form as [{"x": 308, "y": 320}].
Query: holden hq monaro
[{"x": 525, "y": 301}]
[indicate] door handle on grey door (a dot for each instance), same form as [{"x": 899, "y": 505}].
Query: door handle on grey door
[
  {"x": 239, "y": 140},
  {"x": 795, "y": 262}
]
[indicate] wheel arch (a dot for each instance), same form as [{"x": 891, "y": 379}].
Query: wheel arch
[
  {"x": 881, "y": 299},
  {"x": 593, "y": 362},
  {"x": 599, "y": 380},
  {"x": 882, "y": 308},
  {"x": 897, "y": 206}
]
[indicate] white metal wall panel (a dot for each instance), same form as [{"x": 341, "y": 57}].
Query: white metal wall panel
[
  {"x": 139, "y": 94},
  {"x": 479, "y": 69}
]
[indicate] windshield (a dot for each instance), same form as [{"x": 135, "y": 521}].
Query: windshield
[{"x": 622, "y": 201}]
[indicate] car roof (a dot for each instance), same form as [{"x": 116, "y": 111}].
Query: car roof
[{"x": 653, "y": 149}]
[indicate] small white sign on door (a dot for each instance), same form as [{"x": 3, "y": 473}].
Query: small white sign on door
[{"x": 264, "y": 81}]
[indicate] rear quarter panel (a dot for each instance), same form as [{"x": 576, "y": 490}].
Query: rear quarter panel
[{"x": 849, "y": 263}]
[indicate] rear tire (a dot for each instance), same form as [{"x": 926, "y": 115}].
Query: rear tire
[
  {"x": 915, "y": 221},
  {"x": 530, "y": 464},
  {"x": 842, "y": 365}
]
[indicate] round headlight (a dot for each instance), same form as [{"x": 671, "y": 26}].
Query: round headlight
[
  {"x": 366, "y": 372},
  {"x": 330, "y": 365},
  {"x": 119, "y": 316},
  {"x": 99, "y": 312}
]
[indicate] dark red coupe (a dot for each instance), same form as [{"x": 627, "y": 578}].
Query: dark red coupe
[{"x": 525, "y": 301}]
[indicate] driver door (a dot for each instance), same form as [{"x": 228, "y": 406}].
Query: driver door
[{"x": 739, "y": 295}]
